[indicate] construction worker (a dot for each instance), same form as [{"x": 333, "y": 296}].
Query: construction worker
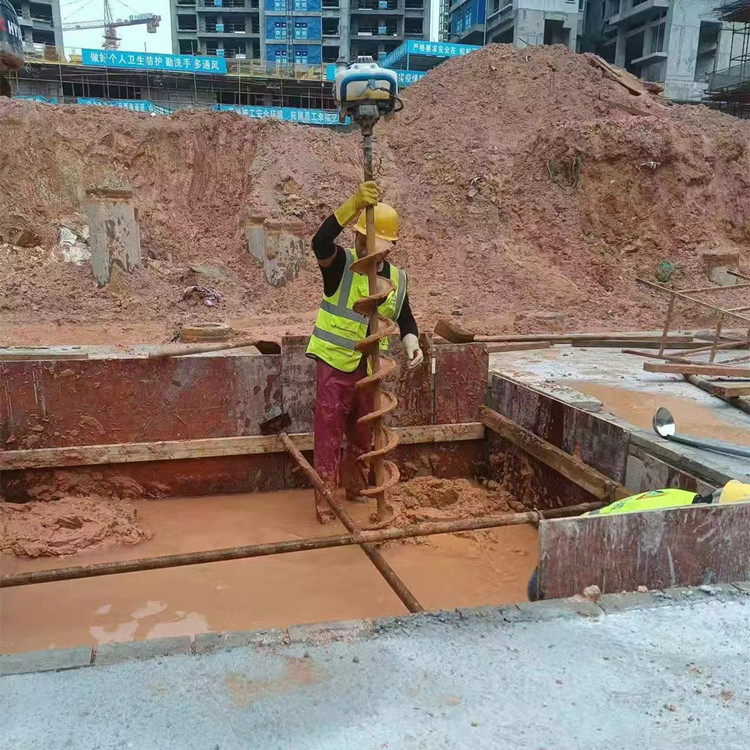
[
  {"x": 337, "y": 330},
  {"x": 733, "y": 491}
]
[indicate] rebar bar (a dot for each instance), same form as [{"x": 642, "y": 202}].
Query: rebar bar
[{"x": 278, "y": 548}]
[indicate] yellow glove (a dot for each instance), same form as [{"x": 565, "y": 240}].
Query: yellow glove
[{"x": 366, "y": 195}]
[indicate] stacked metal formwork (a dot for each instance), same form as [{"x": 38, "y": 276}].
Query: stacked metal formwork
[{"x": 729, "y": 88}]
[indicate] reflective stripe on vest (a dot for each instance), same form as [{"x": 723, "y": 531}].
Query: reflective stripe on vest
[
  {"x": 400, "y": 293},
  {"x": 334, "y": 338},
  {"x": 338, "y": 327}
]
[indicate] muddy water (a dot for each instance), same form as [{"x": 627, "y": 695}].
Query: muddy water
[
  {"x": 266, "y": 592},
  {"x": 638, "y": 407}
]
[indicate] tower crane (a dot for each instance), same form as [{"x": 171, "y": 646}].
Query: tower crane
[{"x": 110, "y": 25}]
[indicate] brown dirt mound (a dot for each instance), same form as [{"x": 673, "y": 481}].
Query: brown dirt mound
[
  {"x": 67, "y": 526},
  {"x": 433, "y": 499},
  {"x": 525, "y": 179}
]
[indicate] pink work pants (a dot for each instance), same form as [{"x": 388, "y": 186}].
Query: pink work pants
[{"x": 338, "y": 405}]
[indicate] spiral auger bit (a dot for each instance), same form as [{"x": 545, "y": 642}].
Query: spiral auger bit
[{"x": 366, "y": 92}]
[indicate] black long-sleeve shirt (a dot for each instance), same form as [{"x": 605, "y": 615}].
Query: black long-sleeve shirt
[{"x": 324, "y": 246}]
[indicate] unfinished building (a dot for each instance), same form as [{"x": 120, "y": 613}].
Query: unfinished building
[
  {"x": 729, "y": 86},
  {"x": 520, "y": 22},
  {"x": 677, "y": 44},
  {"x": 300, "y": 32},
  {"x": 40, "y": 24}
]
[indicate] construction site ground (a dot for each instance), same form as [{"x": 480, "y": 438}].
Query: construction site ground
[
  {"x": 533, "y": 191},
  {"x": 657, "y": 670}
]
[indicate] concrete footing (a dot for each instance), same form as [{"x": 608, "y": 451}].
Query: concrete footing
[
  {"x": 114, "y": 236},
  {"x": 278, "y": 247}
]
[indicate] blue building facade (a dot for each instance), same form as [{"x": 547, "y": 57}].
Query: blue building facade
[
  {"x": 293, "y": 28},
  {"x": 467, "y": 20}
]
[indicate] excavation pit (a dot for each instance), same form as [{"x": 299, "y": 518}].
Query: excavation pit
[{"x": 178, "y": 439}]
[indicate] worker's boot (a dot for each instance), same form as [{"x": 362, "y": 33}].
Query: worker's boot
[
  {"x": 323, "y": 511},
  {"x": 353, "y": 478}
]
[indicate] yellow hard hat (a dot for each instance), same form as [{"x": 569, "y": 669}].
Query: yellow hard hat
[
  {"x": 386, "y": 223},
  {"x": 735, "y": 492}
]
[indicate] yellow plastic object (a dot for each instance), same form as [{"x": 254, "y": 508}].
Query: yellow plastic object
[
  {"x": 386, "y": 223},
  {"x": 735, "y": 492}
]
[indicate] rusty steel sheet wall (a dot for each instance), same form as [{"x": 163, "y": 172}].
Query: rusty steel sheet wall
[
  {"x": 599, "y": 443},
  {"x": 534, "y": 483},
  {"x": 658, "y": 549},
  {"x": 460, "y": 382},
  {"x": 298, "y": 383},
  {"x": 413, "y": 389},
  {"x": 45, "y": 404},
  {"x": 68, "y": 403},
  {"x": 215, "y": 475}
]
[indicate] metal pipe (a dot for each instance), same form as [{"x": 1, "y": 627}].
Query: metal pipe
[
  {"x": 376, "y": 557},
  {"x": 279, "y": 548}
]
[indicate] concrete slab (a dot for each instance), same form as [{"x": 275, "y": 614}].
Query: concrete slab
[
  {"x": 551, "y": 371},
  {"x": 326, "y": 632},
  {"x": 207, "y": 643},
  {"x": 45, "y": 661},
  {"x": 554, "y": 608},
  {"x": 636, "y": 600},
  {"x": 113, "y": 653},
  {"x": 672, "y": 678}
]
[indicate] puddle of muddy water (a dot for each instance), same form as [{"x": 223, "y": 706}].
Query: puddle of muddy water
[
  {"x": 313, "y": 586},
  {"x": 638, "y": 407}
]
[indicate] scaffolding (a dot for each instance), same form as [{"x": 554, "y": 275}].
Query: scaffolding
[
  {"x": 729, "y": 88},
  {"x": 247, "y": 83}
]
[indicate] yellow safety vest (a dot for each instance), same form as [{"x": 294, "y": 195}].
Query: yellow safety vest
[
  {"x": 338, "y": 328},
  {"x": 653, "y": 500}
]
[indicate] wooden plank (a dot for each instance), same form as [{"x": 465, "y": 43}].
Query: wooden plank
[
  {"x": 671, "y": 343},
  {"x": 716, "y": 369},
  {"x": 730, "y": 390},
  {"x": 567, "y": 338},
  {"x": 520, "y": 346},
  {"x": 460, "y": 382},
  {"x": 738, "y": 402},
  {"x": 210, "y": 447},
  {"x": 6, "y": 356},
  {"x": 677, "y": 547},
  {"x": 529, "y": 479},
  {"x": 698, "y": 302},
  {"x": 629, "y": 81},
  {"x": 650, "y": 355},
  {"x": 571, "y": 467}
]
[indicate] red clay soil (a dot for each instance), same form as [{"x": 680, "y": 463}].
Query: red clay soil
[
  {"x": 525, "y": 179},
  {"x": 433, "y": 499},
  {"x": 67, "y": 526}
]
